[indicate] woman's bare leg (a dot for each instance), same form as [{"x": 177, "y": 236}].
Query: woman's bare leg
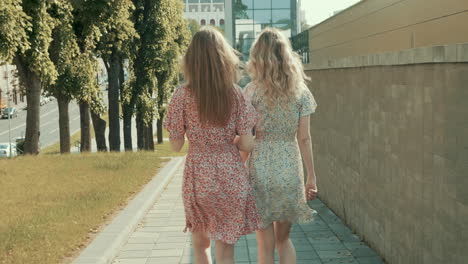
[
  {"x": 224, "y": 253},
  {"x": 284, "y": 245},
  {"x": 266, "y": 245},
  {"x": 201, "y": 248}
]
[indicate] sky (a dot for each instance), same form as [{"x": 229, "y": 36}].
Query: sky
[{"x": 318, "y": 10}]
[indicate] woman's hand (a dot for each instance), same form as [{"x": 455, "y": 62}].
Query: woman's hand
[{"x": 311, "y": 190}]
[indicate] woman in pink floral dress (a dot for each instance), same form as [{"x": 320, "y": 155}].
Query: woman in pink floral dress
[{"x": 210, "y": 110}]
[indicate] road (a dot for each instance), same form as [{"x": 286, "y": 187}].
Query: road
[{"x": 49, "y": 124}]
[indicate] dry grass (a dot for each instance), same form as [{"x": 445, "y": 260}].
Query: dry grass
[{"x": 50, "y": 203}]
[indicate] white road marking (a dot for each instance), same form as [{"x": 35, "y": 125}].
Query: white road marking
[
  {"x": 53, "y": 131},
  {"x": 48, "y": 113},
  {"x": 24, "y": 124}
]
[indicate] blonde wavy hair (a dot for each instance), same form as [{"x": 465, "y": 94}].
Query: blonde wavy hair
[
  {"x": 275, "y": 68},
  {"x": 211, "y": 69}
]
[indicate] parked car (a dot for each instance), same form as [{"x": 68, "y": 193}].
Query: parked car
[
  {"x": 5, "y": 150},
  {"x": 9, "y": 112}
]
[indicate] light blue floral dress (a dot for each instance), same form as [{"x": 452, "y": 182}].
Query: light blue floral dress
[{"x": 275, "y": 165}]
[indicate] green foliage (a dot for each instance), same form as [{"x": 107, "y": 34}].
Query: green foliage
[
  {"x": 240, "y": 10},
  {"x": 164, "y": 35},
  {"x": 103, "y": 28},
  {"x": 14, "y": 27},
  {"x": 193, "y": 25},
  {"x": 37, "y": 56}
]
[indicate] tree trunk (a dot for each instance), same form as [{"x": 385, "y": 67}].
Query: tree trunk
[
  {"x": 85, "y": 126},
  {"x": 127, "y": 112},
  {"x": 64, "y": 124},
  {"x": 140, "y": 132},
  {"x": 33, "y": 96},
  {"x": 145, "y": 137},
  {"x": 113, "y": 98},
  {"x": 159, "y": 128},
  {"x": 127, "y": 128},
  {"x": 99, "y": 125},
  {"x": 149, "y": 137}
]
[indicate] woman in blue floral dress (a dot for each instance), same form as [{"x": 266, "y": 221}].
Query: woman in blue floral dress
[{"x": 282, "y": 140}]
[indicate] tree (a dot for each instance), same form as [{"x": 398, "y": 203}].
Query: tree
[
  {"x": 63, "y": 51},
  {"x": 163, "y": 32},
  {"x": 193, "y": 26},
  {"x": 240, "y": 10},
  {"x": 76, "y": 74},
  {"x": 105, "y": 28},
  {"x": 168, "y": 70},
  {"x": 35, "y": 67},
  {"x": 88, "y": 23},
  {"x": 114, "y": 46}
]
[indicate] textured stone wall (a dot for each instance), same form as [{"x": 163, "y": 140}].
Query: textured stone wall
[{"x": 391, "y": 153}]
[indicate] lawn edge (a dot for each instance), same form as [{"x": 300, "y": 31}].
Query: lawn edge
[{"x": 106, "y": 245}]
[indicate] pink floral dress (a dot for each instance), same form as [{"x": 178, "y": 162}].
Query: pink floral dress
[{"x": 218, "y": 197}]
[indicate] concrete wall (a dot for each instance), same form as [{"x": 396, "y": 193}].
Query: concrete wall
[
  {"x": 391, "y": 151},
  {"x": 376, "y": 26}
]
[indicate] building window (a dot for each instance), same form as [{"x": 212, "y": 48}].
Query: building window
[
  {"x": 203, "y": 22},
  {"x": 193, "y": 8},
  {"x": 212, "y": 22},
  {"x": 221, "y": 22},
  {"x": 205, "y": 8},
  {"x": 261, "y": 4},
  {"x": 218, "y": 8}
]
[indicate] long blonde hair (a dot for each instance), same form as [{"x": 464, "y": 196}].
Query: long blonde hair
[
  {"x": 275, "y": 67},
  {"x": 211, "y": 70}
]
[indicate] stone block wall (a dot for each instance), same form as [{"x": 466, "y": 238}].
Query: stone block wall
[{"x": 391, "y": 152}]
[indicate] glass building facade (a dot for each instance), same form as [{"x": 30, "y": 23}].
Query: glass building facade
[{"x": 252, "y": 16}]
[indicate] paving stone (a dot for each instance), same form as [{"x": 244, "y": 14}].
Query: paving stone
[
  {"x": 141, "y": 240},
  {"x": 353, "y": 245},
  {"x": 167, "y": 252},
  {"x": 303, "y": 246},
  {"x": 310, "y": 254},
  {"x": 364, "y": 252},
  {"x": 326, "y": 254},
  {"x": 135, "y": 254},
  {"x": 130, "y": 261},
  {"x": 348, "y": 237},
  {"x": 369, "y": 260},
  {"x": 329, "y": 246},
  {"x": 138, "y": 247},
  {"x": 163, "y": 260},
  {"x": 346, "y": 260}
]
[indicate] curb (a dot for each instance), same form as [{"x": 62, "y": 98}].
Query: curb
[{"x": 106, "y": 245}]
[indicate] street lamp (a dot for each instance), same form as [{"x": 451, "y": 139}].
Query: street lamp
[{"x": 9, "y": 110}]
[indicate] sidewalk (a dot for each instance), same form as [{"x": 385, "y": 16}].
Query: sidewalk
[{"x": 159, "y": 237}]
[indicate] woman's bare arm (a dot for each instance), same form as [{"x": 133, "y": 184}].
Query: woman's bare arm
[
  {"x": 246, "y": 143},
  {"x": 305, "y": 146},
  {"x": 177, "y": 144}
]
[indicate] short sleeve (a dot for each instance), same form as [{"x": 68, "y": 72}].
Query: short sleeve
[
  {"x": 174, "y": 121},
  {"x": 307, "y": 103},
  {"x": 246, "y": 115}
]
